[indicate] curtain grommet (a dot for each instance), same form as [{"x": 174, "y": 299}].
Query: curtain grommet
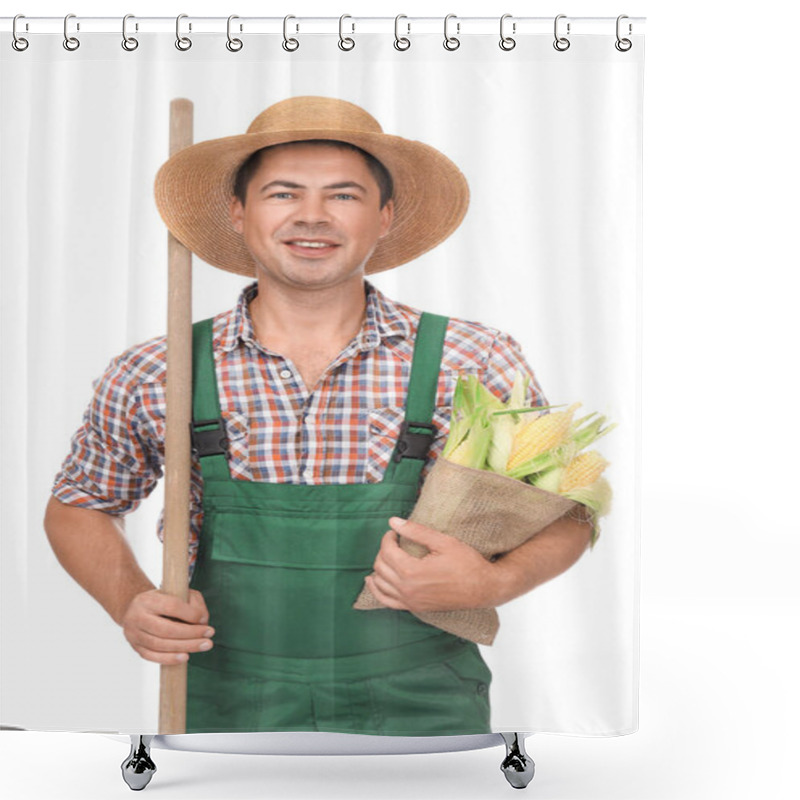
[
  {"x": 401, "y": 43},
  {"x": 70, "y": 43},
  {"x": 183, "y": 43},
  {"x": 451, "y": 42},
  {"x": 289, "y": 44},
  {"x": 19, "y": 43},
  {"x": 623, "y": 44},
  {"x": 507, "y": 42},
  {"x": 233, "y": 44},
  {"x": 129, "y": 43},
  {"x": 561, "y": 43},
  {"x": 346, "y": 43}
]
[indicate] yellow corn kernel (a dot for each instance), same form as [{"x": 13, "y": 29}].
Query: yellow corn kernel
[
  {"x": 539, "y": 435},
  {"x": 582, "y": 471}
]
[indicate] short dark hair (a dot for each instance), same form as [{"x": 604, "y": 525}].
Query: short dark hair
[{"x": 249, "y": 167}]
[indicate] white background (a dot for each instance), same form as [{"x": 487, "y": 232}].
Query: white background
[{"x": 719, "y": 533}]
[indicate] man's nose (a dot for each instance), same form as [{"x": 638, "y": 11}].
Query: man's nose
[{"x": 312, "y": 209}]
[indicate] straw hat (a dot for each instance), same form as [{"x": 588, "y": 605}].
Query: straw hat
[{"x": 193, "y": 189}]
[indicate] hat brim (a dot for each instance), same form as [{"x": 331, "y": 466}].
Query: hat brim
[{"x": 194, "y": 187}]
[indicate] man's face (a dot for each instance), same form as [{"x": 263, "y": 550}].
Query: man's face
[{"x": 312, "y": 215}]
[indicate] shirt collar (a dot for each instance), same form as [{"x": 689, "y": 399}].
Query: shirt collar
[
  {"x": 240, "y": 326},
  {"x": 384, "y": 319}
]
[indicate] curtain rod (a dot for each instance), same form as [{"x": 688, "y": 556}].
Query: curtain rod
[{"x": 327, "y": 25}]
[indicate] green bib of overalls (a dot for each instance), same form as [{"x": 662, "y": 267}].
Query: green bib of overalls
[{"x": 280, "y": 566}]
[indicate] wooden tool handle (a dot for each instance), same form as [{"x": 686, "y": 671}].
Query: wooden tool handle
[{"x": 177, "y": 453}]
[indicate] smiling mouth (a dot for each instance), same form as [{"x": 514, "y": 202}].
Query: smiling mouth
[{"x": 311, "y": 246}]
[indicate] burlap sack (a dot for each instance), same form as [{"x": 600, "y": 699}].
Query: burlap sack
[{"x": 487, "y": 511}]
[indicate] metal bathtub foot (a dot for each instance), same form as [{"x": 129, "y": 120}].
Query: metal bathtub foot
[
  {"x": 138, "y": 768},
  {"x": 517, "y": 766}
]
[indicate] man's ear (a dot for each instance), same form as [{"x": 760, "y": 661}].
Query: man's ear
[
  {"x": 236, "y": 211},
  {"x": 387, "y": 215}
]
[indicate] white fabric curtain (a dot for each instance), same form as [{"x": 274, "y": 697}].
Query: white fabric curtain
[{"x": 549, "y": 252}]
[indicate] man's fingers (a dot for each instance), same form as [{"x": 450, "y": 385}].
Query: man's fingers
[
  {"x": 384, "y": 593},
  {"x": 162, "y": 658},
  {"x": 169, "y": 617},
  {"x": 390, "y": 557},
  {"x": 164, "y": 628},
  {"x": 159, "y": 645},
  {"x": 167, "y": 605},
  {"x": 196, "y": 599},
  {"x": 384, "y": 587},
  {"x": 153, "y": 625},
  {"x": 433, "y": 540}
]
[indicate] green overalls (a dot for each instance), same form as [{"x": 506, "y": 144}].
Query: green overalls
[{"x": 280, "y": 566}]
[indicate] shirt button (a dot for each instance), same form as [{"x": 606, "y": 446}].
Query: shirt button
[{"x": 286, "y": 373}]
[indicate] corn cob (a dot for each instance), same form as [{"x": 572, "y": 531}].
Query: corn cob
[
  {"x": 538, "y": 436},
  {"x": 582, "y": 471}
]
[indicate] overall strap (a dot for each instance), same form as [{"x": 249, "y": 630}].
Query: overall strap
[
  {"x": 417, "y": 431},
  {"x": 209, "y": 441}
]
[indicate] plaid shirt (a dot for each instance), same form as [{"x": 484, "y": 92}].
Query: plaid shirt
[{"x": 341, "y": 431}]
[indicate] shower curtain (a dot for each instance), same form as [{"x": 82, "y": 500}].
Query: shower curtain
[{"x": 546, "y": 131}]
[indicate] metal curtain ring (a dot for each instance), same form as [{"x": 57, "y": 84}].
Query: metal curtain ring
[
  {"x": 561, "y": 43},
  {"x": 506, "y": 42},
  {"x": 234, "y": 45},
  {"x": 18, "y": 42},
  {"x": 70, "y": 42},
  {"x": 451, "y": 42},
  {"x": 289, "y": 44},
  {"x": 345, "y": 42},
  {"x": 401, "y": 42},
  {"x": 182, "y": 42},
  {"x": 623, "y": 45},
  {"x": 129, "y": 43}
]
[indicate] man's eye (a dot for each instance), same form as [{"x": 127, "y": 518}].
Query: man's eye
[
  {"x": 281, "y": 195},
  {"x": 344, "y": 196}
]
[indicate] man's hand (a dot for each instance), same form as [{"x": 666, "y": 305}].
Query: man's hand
[
  {"x": 452, "y": 575},
  {"x": 154, "y": 636}
]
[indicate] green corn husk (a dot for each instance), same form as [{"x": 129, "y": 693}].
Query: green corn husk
[
  {"x": 470, "y": 400},
  {"x": 482, "y": 431},
  {"x": 591, "y": 431},
  {"x": 473, "y": 448},
  {"x": 505, "y": 424},
  {"x": 460, "y": 421},
  {"x": 470, "y": 430},
  {"x": 597, "y": 497},
  {"x": 549, "y": 480}
]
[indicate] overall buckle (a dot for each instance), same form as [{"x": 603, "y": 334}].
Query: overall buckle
[
  {"x": 209, "y": 442},
  {"x": 411, "y": 444}
]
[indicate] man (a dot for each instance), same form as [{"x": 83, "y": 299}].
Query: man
[{"x": 333, "y": 400}]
